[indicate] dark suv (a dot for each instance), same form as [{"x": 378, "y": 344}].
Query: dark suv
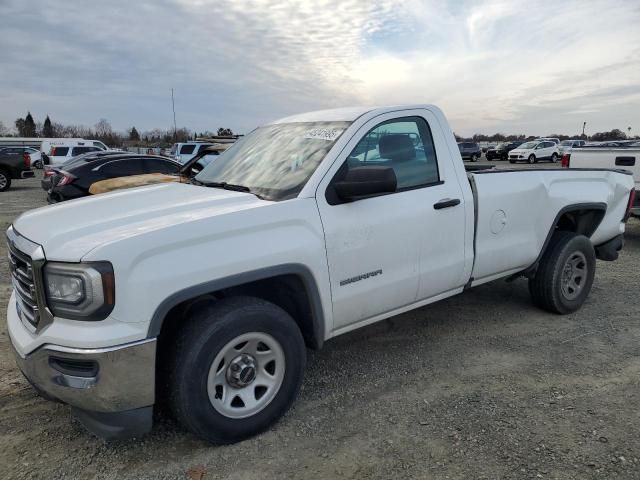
[
  {"x": 14, "y": 164},
  {"x": 470, "y": 150},
  {"x": 501, "y": 151}
]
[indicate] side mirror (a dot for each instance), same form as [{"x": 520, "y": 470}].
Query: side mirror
[{"x": 366, "y": 181}]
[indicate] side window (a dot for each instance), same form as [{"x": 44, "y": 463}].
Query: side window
[
  {"x": 404, "y": 144},
  {"x": 60, "y": 151},
  {"x": 187, "y": 149},
  {"x": 202, "y": 147},
  {"x": 78, "y": 150},
  {"x": 123, "y": 168},
  {"x": 160, "y": 166}
]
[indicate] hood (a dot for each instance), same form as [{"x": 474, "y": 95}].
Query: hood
[{"x": 68, "y": 231}]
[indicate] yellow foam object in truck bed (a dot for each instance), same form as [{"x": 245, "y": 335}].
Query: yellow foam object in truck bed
[{"x": 104, "y": 186}]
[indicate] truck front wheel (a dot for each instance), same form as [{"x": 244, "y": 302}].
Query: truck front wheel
[
  {"x": 5, "y": 180},
  {"x": 565, "y": 273},
  {"x": 238, "y": 365}
]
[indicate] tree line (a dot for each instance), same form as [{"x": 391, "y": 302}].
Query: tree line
[
  {"x": 102, "y": 130},
  {"x": 158, "y": 137}
]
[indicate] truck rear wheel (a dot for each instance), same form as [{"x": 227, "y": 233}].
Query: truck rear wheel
[
  {"x": 565, "y": 273},
  {"x": 238, "y": 366},
  {"x": 5, "y": 180}
]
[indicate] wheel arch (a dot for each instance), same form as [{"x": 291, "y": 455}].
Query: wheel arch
[
  {"x": 581, "y": 218},
  {"x": 290, "y": 286}
]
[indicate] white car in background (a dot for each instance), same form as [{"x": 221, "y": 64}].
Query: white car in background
[
  {"x": 183, "y": 152},
  {"x": 535, "y": 151},
  {"x": 48, "y": 143},
  {"x": 61, "y": 153},
  {"x": 566, "y": 145}
]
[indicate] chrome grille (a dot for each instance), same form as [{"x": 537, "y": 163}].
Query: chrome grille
[{"x": 24, "y": 285}]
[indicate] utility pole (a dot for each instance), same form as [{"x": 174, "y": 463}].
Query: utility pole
[
  {"x": 583, "y": 127},
  {"x": 175, "y": 129}
]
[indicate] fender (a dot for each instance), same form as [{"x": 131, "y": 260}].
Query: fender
[
  {"x": 194, "y": 291},
  {"x": 597, "y": 206}
]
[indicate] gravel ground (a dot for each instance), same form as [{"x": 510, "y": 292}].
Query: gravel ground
[{"x": 482, "y": 385}]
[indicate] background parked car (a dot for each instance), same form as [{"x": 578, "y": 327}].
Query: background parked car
[
  {"x": 50, "y": 171},
  {"x": 48, "y": 143},
  {"x": 34, "y": 153},
  {"x": 14, "y": 164},
  {"x": 501, "y": 151},
  {"x": 205, "y": 157},
  {"x": 183, "y": 152},
  {"x": 470, "y": 150},
  {"x": 566, "y": 145},
  {"x": 61, "y": 154},
  {"x": 535, "y": 151},
  {"x": 78, "y": 176}
]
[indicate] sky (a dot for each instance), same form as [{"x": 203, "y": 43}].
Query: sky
[{"x": 521, "y": 66}]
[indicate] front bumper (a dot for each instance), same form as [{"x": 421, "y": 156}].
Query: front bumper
[{"x": 112, "y": 389}]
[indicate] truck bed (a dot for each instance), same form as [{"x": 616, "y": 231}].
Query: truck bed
[
  {"x": 515, "y": 210},
  {"x": 627, "y": 158}
]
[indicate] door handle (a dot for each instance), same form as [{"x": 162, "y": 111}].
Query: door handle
[{"x": 446, "y": 203}]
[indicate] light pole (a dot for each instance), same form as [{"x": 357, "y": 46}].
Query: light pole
[
  {"x": 584, "y": 124},
  {"x": 175, "y": 128}
]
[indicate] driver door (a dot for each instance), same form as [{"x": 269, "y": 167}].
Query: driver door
[{"x": 388, "y": 251}]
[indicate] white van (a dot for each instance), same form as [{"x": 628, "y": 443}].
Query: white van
[
  {"x": 59, "y": 154},
  {"x": 48, "y": 143}
]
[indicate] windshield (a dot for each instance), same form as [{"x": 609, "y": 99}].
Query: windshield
[
  {"x": 275, "y": 161},
  {"x": 528, "y": 145}
]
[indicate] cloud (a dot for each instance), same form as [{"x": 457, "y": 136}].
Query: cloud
[{"x": 530, "y": 66}]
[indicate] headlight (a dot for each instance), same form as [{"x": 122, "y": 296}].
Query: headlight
[{"x": 80, "y": 291}]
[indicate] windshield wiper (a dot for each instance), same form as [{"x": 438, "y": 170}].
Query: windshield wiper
[{"x": 229, "y": 186}]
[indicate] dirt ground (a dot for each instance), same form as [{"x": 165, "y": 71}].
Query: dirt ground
[{"x": 482, "y": 386}]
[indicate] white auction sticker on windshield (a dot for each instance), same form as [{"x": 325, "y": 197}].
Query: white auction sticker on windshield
[{"x": 329, "y": 134}]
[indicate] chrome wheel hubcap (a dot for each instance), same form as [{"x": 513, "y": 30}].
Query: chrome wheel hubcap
[
  {"x": 246, "y": 375},
  {"x": 574, "y": 275},
  {"x": 3, "y": 181}
]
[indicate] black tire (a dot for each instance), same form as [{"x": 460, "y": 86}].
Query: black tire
[
  {"x": 5, "y": 180},
  {"x": 532, "y": 159},
  {"x": 208, "y": 330},
  {"x": 554, "y": 158},
  {"x": 512, "y": 161},
  {"x": 546, "y": 287}
]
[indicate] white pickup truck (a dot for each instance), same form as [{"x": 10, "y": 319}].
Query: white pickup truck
[
  {"x": 206, "y": 294},
  {"x": 627, "y": 158}
]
